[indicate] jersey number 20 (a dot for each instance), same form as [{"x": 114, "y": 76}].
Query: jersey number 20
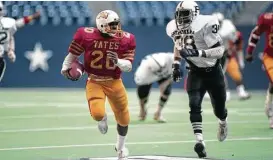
[{"x": 96, "y": 62}]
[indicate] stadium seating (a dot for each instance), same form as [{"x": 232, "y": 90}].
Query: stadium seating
[
  {"x": 132, "y": 12},
  {"x": 53, "y": 12},
  {"x": 269, "y": 8},
  {"x": 158, "y": 13}
]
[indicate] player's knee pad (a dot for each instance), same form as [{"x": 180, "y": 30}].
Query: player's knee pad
[
  {"x": 123, "y": 117},
  {"x": 97, "y": 109},
  {"x": 143, "y": 91}
]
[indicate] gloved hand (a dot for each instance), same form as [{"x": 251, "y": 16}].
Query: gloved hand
[{"x": 177, "y": 73}]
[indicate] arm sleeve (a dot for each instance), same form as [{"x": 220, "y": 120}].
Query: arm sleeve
[
  {"x": 255, "y": 35},
  {"x": 68, "y": 61},
  {"x": 216, "y": 52},
  {"x": 23, "y": 21},
  {"x": 76, "y": 46},
  {"x": 125, "y": 63},
  {"x": 211, "y": 35},
  {"x": 130, "y": 53}
]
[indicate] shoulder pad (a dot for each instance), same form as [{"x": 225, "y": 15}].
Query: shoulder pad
[
  {"x": 127, "y": 34},
  {"x": 202, "y": 21},
  {"x": 7, "y": 22},
  {"x": 171, "y": 28}
]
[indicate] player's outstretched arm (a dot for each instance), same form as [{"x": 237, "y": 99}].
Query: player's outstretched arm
[{"x": 27, "y": 19}]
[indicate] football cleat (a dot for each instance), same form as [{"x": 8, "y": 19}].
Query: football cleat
[
  {"x": 244, "y": 96},
  {"x": 103, "y": 126},
  {"x": 199, "y": 148},
  {"x": 122, "y": 154},
  {"x": 222, "y": 131},
  {"x": 159, "y": 118}
]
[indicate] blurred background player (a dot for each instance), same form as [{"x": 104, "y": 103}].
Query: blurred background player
[
  {"x": 153, "y": 68},
  {"x": 264, "y": 25},
  {"x": 235, "y": 62},
  {"x": 8, "y": 27},
  {"x": 108, "y": 51},
  {"x": 233, "y": 55}
]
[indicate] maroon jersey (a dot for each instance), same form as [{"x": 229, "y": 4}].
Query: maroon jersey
[
  {"x": 94, "y": 45},
  {"x": 264, "y": 25}
]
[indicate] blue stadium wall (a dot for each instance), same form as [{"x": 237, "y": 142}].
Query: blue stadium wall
[{"x": 57, "y": 39}]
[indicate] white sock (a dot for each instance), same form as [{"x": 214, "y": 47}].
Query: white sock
[
  {"x": 223, "y": 122},
  {"x": 269, "y": 97},
  {"x": 241, "y": 89},
  {"x": 105, "y": 116},
  {"x": 199, "y": 137},
  {"x": 120, "y": 142}
]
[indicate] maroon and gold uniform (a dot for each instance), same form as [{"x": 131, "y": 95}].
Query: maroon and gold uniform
[
  {"x": 104, "y": 77},
  {"x": 264, "y": 25},
  {"x": 236, "y": 49}
]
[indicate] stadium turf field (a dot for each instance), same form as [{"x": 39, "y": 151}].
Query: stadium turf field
[{"x": 55, "y": 124}]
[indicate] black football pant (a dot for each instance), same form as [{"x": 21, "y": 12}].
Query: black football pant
[
  {"x": 199, "y": 81},
  {"x": 2, "y": 67}
]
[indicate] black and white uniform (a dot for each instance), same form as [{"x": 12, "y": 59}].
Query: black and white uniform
[
  {"x": 7, "y": 30},
  {"x": 205, "y": 74},
  {"x": 153, "y": 68}
]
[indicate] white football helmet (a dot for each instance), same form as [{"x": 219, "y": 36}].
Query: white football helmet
[
  {"x": 219, "y": 16},
  {"x": 186, "y": 12},
  {"x": 108, "y": 22}
]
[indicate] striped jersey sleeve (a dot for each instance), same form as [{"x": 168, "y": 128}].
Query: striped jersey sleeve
[
  {"x": 255, "y": 34},
  {"x": 130, "y": 53},
  {"x": 76, "y": 46}
]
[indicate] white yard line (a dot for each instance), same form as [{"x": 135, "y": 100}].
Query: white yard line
[
  {"x": 132, "y": 143},
  {"x": 93, "y": 126},
  {"x": 133, "y": 111}
]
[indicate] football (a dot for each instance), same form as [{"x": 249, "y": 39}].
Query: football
[{"x": 77, "y": 70}]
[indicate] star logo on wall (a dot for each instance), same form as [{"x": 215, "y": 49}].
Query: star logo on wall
[{"x": 38, "y": 58}]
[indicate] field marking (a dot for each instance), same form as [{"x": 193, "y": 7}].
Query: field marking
[
  {"x": 132, "y": 143},
  {"x": 134, "y": 111},
  {"x": 94, "y": 126}
]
